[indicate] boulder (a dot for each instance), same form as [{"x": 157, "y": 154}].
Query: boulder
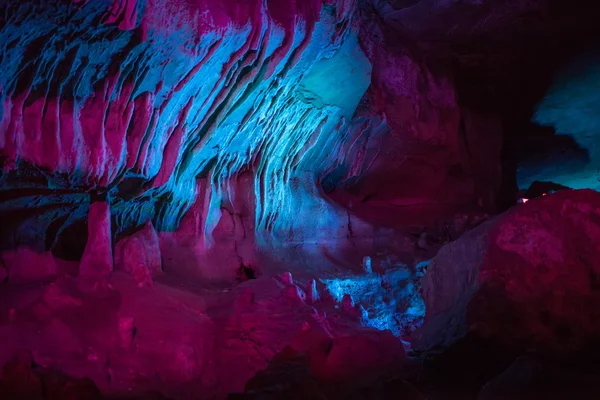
[{"x": 527, "y": 280}]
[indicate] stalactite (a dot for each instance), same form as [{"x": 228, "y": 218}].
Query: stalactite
[{"x": 139, "y": 90}]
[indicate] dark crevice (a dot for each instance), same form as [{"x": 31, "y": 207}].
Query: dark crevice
[
  {"x": 70, "y": 243},
  {"x": 53, "y": 229},
  {"x": 245, "y": 273}
]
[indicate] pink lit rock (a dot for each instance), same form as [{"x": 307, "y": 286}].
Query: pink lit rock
[
  {"x": 3, "y": 273},
  {"x": 179, "y": 338},
  {"x": 97, "y": 259},
  {"x": 61, "y": 344},
  {"x": 287, "y": 279},
  {"x": 22, "y": 379},
  {"x": 126, "y": 331},
  {"x": 294, "y": 292},
  {"x": 196, "y": 110},
  {"x": 423, "y": 121},
  {"x": 124, "y": 12},
  {"x": 25, "y": 264},
  {"x": 353, "y": 310},
  {"x": 525, "y": 279},
  {"x": 312, "y": 294},
  {"x": 57, "y": 296},
  {"x": 347, "y": 302},
  {"x": 357, "y": 357},
  {"x": 194, "y": 253},
  {"x": 245, "y": 301},
  {"x": 139, "y": 255}
]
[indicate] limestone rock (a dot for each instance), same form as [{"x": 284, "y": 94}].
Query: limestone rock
[
  {"x": 97, "y": 259},
  {"x": 139, "y": 255},
  {"x": 526, "y": 280}
]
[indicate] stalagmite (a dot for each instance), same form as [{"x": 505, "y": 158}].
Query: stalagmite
[{"x": 97, "y": 259}]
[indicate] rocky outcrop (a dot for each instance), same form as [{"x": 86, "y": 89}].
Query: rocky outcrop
[
  {"x": 140, "y": 98},
  {"x": 411, "y": 128},
  {"x": 526, "y": 281},
  {"x": 139, "y": 255},
  {"x": 97, "y": 259},
  {"x": 185, "y": 340}
]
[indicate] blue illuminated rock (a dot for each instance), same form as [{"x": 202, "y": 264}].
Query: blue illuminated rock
[{"x": 140, "y": 98}]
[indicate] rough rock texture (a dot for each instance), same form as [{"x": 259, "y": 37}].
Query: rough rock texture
[
  {"x": 168, "y": 104},
  {"x": 410, "y": 128},
  {"x": 256, "y": 152},
  {"x": 389, "y": 299},
  {"x": 188, "y": 341},
  {"x": 527, "y": 280},
  {"x": 24, "y": 264},
  {"x": 97, "y": 259},
  {"x": 139, "y": 98},
  {"x": 139, "y": 254}
]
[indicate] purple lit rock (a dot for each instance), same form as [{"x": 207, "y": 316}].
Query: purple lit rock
[
  {"x": 97, "y": 259},
  {"x": 526, "y": 280},
  {"x": 139, "y": 254}
]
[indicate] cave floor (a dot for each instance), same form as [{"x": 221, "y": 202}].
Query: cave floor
[{"x": 186, "y": 338}]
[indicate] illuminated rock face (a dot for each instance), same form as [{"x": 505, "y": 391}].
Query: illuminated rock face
[
  {"x": 413, "y": 153},
  {"x": 140, "y": 98},
  {"x": 526, "y": 280},
  {"x": 97, "y": 259}
]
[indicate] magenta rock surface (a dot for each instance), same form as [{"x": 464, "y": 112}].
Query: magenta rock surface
[
  {"x": 24, "y": 264},
  {"x": 97, "y": 259},
  {"x": 279, "y": 198},
  {"x": 141, "y": 98},
  {"x": 141, "y": 248},
  {"x": 526, "y": 280}
]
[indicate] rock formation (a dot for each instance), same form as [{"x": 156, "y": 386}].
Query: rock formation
[{"x": 328, "y": 199}]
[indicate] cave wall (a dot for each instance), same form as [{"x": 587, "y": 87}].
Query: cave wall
[
  {"x": 136, "y": 100},
  {"x": 414, "y": 154},
  {"x": 333, "y": 109}
]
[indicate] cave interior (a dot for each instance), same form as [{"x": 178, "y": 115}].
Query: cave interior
[{"x": 299, "y": 199}]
